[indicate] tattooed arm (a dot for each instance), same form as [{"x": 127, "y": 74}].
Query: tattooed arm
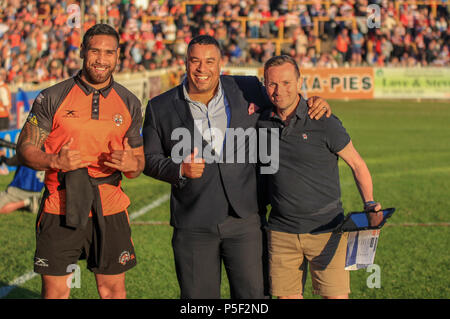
[
  {"x": 29, "y": 148},
  {"x": 30, "y": 153}
]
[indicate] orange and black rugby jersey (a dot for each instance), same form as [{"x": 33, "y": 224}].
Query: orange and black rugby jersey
[{"x": 98, "y": 120}]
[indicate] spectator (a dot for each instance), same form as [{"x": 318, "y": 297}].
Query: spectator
[
  {"x": 265, "y": 25},
  {"x": 241, "y": 42},
  {"x": 136, "y": 52},
  {"x": 386, "y": 48},
  {"x": 337, "y": 56},
  {"x": 343, "y": 43},
  {"x": 442, "y": 24},
  {"x": 222, "y": 35},
  {"x": 206, "y": 29},
  {"x": 357, "y": 44},
  {"x": 268, "y": 51},
  {"x": 275, "y": 24},
  {"x": 292, "y": 20},
  {"x": 40, "y": 70},
  {"x": 361, "y": 7},
  {"x": 432, "y": 52},
  {"x": 305, "y": 19},
  {"x": 397, "y": 42},
  {"x": 56, "y": 70},
  {"x": 34, "y": 33},
  {"x": 180, "y": 45},
  {"x": 5, "y": 101},
  {"x": 443, "y": 58},
  {"x": 326, "y": 61},
  {"x": 72, "y": 63},
  {"x": 254, "y": 23},
  {"x": 301, "y": 41},
  {"x": 235, "y": 53}
]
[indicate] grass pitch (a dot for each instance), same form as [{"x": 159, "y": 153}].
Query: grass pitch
[{"x": 406, "y": 145}]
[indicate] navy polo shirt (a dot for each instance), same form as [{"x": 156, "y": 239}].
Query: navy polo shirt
[{"x": 305, "y": 193}]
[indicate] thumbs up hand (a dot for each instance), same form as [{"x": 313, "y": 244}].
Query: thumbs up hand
[
  {"x": 123, "y": 160},
  {"x": 193, "y": 166},
  {"x": 69, "y": 159}
]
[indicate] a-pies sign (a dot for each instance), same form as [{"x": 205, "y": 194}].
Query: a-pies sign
[{"x": 338, "y": 83}]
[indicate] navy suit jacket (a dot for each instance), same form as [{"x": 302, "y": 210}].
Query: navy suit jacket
[{"x": 206, "y": 201}]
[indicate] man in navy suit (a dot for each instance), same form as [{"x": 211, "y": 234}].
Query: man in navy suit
[{"x": 214, "y": 204}]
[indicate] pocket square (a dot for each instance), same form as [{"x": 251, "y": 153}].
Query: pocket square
[{"x": 252, "y": 108}]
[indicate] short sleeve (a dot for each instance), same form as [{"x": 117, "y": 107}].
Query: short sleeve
[
  {"x": 41, "y": 114},
  {"x": 336, "y": 135},
  {"x": 134, "y": 107},
  {"x": 134, "y": 131}
]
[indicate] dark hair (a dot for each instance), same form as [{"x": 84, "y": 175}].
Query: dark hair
[
  {"x": 99, "y": 29},
  {"x": 204, "y": 39},
  {"x": 280, "y": 60}
]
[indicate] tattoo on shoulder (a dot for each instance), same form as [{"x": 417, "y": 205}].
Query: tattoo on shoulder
[{"x": 32, "y": 135}]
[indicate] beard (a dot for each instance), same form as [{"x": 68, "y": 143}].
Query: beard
[{"x": 96, "y": 77}]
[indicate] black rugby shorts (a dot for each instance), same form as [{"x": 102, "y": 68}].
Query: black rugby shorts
[{"x": 58, "y": 247}]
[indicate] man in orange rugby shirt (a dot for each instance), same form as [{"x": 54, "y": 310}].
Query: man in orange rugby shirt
[{"x": 85, "y": 132}]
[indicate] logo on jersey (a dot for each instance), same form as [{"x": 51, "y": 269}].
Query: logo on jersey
[
  {"x": 118, "y": 119},
  {"x": 70, "y": 114},
  {"x": 39, "y": 98},
  {"x": 125, "y": 257},
  {"x": 305, "y": 137},
  {"x": 32, "y": 119},
  {"x": 42, "y": 262}
]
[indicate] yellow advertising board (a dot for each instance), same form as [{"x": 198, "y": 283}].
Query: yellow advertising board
[{"x": 412, "y": 83}]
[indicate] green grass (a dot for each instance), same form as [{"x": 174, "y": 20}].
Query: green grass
[{"x": 407, "y": 148}]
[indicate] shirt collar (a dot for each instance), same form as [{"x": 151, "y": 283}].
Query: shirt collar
[
  {"x": 87, "y": 89},
  {"x": 302, "y": 108}
]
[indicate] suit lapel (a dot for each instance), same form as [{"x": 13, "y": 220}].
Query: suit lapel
[
  {"x": 235, "y": 103},
  {"x": 183, "y": 111}
]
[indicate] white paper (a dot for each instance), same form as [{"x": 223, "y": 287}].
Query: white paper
[{"x": 361, "y": 249}]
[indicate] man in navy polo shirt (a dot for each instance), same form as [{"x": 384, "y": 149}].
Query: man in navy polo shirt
[{"x": 304, "y": 192}]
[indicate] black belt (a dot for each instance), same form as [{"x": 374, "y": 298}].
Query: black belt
[{"x": 82, "y": 196}]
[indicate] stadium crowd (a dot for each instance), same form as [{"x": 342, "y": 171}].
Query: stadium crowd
[{"x": 39, "y": 40}]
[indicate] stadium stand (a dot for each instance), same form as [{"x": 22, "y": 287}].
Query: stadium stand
[{"x": 39, "y": 40}]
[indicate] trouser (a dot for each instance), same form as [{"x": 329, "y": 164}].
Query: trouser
[{"x": 199, "y": 254}]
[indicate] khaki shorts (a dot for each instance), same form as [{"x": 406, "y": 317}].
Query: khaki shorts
[{"x": 289, "y": 255}]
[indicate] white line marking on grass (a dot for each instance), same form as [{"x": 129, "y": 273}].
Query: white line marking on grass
[
  {"x": 150, "y": 206},
  {"x": 151, "y": 222},
  {"x": 5, "y": 290}
]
